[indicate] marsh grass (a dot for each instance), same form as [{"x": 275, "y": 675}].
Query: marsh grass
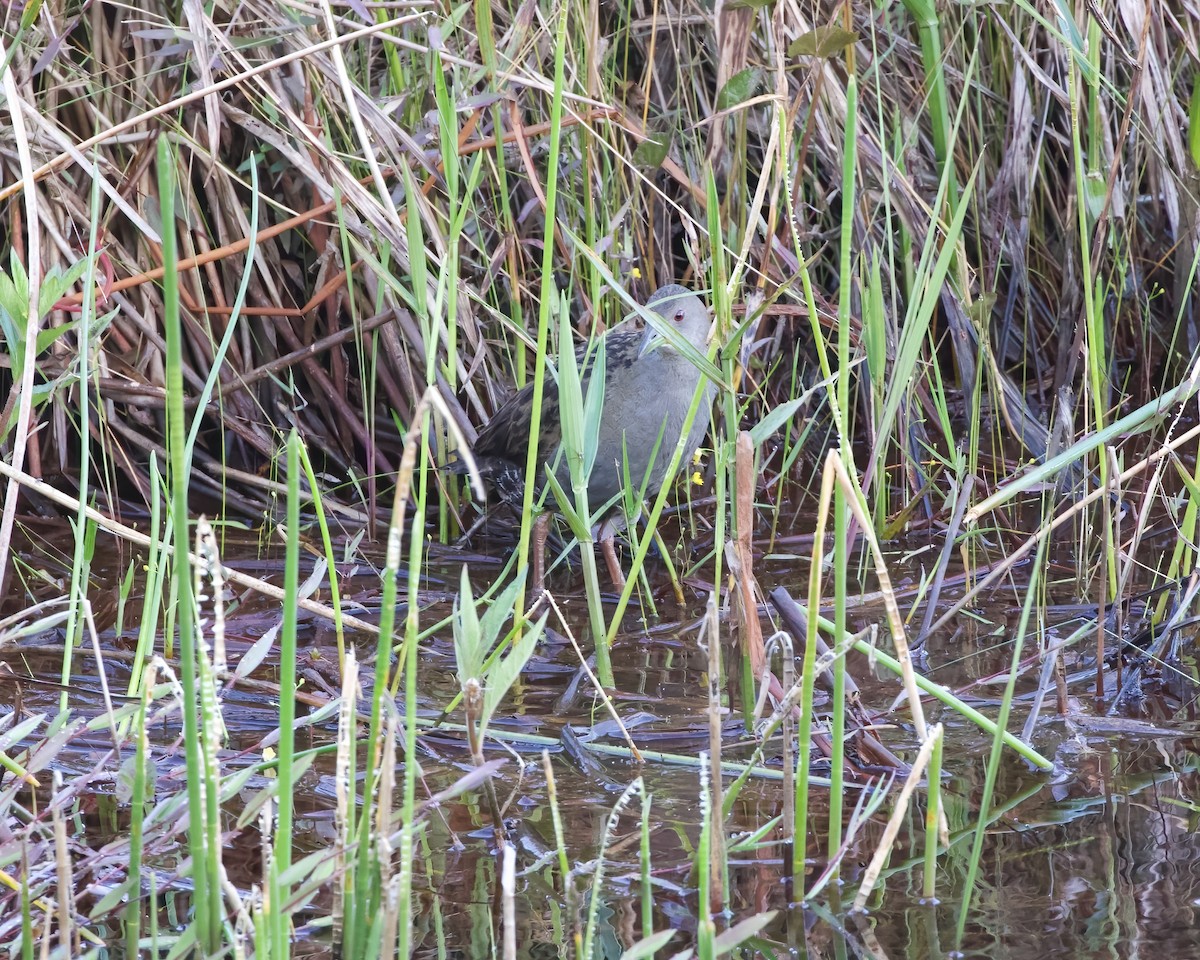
[{"x": 293, "y": 257}]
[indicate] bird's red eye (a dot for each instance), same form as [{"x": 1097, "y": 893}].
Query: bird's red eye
[{"x": 679, "y": 316}]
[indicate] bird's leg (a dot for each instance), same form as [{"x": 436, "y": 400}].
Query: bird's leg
[
  {"x": 610, "y": 558},
  {"x": 541, "y": 530},
  {"x": 608, "y": 530}
]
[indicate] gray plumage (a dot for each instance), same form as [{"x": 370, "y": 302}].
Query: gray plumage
[{"x": 648, "y": 388}]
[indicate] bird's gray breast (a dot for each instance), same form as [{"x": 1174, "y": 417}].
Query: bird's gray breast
[{"x": 642, "y": 422}]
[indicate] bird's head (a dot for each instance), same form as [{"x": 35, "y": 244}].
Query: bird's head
[{"x": 685, "y": 317}]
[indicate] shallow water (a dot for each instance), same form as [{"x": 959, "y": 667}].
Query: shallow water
[{"x": 1099, "y": 858}]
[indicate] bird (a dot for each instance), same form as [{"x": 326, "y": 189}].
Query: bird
[{"x": 648, "y": 389}]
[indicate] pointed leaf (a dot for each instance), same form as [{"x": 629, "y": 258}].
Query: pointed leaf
[
  {"x": 47, "y": 335},
  {"x": 1194, "y": 122},
  {"x": 499, "y": 611},
  {"x": 16, "y": 734},
  {"x": 593, "y": 407},
  {"x": 756, "y": 839},
  {"x": 736, "y": 935},
  {"x": 775, "y": 419},
  {"x": 564, "y": 508},
  {"x": 648, "y": 946},
  {"x": 258, "y": 651},
  {"x": 651, "y": 152},
  {"x": 824, "y": 42},
  {"x": 570, "y": 402},
  {"x": 467, "y": 652},
  {"x": 739, "y": 88},
  {"x": 504, "y": 674}
]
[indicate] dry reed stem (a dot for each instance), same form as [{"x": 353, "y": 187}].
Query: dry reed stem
[{"x": 887, "y": 839}]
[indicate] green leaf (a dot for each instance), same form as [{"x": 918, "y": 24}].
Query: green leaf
[
  {"x": 775, "y": 419},
  {"x": 593, "y": 407},
  {"x": 14, "y": 294},
  {"x": 980, "y": 310},
  {"x": 649, "y": 946},
  {"x": 739, "y": 88},
  {"x": 499, "y": 612},
  {"x": 1194, "y": 121},
  {"x": 1095, "y": 189},
  {"x": 825, "y": 42},
  {"x": 47, "y": 335},
  {"x": 57, "y": 283},
  {"x": 651, "y": 152},
  {"x": 16, "y": 734},
  {"x": 570, "y": 401},
  {"x": 875, "y": 324},
  {"x": 29, "y": 16},
  {"x": 468, "y": 652},
  {"x": 755, "y": 840},
  {"x": 504, "y": 674},
  {"x": 114, "y": 898},
  {"x": 1193, "y": 488},
  {"x": 564, "y": 506},
  {"x": 740, "y": 932}
]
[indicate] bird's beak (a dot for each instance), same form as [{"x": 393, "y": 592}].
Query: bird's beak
[{"x": 650, "y": 341}]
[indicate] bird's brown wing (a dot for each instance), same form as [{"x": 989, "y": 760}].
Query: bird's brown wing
[
  {"x": 506, "y": 434},
  {"x": 502, "y": 446}
]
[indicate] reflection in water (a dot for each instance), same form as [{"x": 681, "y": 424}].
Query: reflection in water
[{"x": 1101, "y": 859}]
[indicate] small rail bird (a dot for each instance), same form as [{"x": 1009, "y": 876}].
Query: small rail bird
[{"x": 648, "y": 390}]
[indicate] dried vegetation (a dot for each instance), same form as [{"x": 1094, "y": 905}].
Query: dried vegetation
[{"x": 360, "y": 215}]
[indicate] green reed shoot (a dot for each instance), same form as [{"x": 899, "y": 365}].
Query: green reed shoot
[
  {"x": 281, "y": 854},
  {"x": 580, "y": 422},
  {"x": 548, "y": 287},
  {"x": 207, "y": 902},
  {"x": 934, "y": 818},
  {"x": 841, "y": 513},
  {"x": 1001, "y": 727}
]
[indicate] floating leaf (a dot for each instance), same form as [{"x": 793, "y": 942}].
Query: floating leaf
[
  {"x": 739, "y": 88},
  {"x": 824, "y": 42}
]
